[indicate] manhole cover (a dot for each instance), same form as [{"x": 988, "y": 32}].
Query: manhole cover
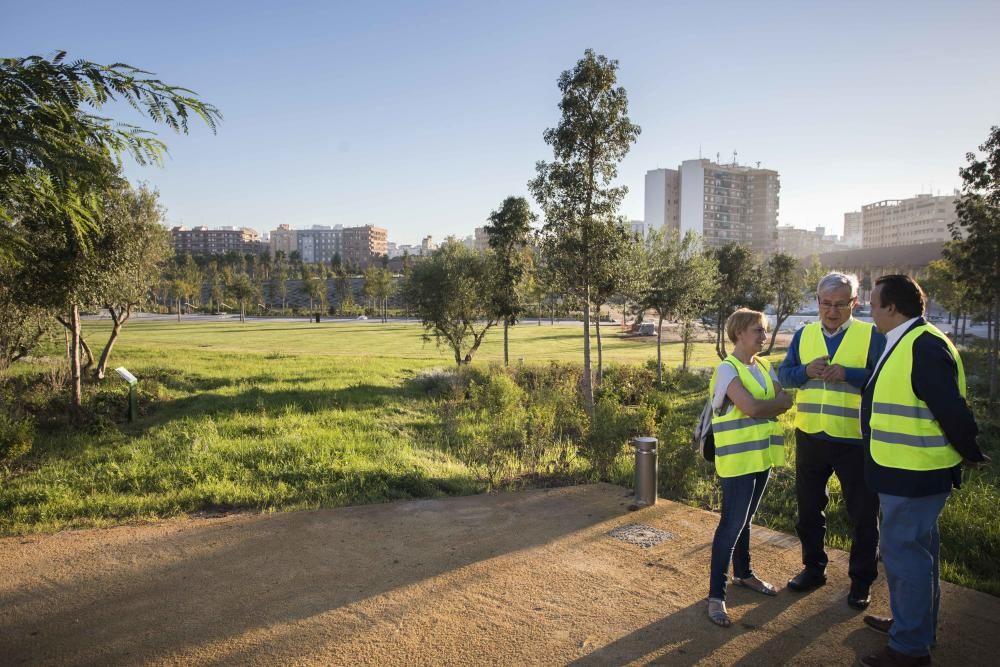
[{"x": 638, "y": 534}]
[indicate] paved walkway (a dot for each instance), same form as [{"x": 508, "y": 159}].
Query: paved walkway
[{"x": 519, "y": 578}]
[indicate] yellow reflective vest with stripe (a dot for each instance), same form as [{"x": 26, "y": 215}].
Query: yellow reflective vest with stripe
[
  {"x": 743, "y": 444},
  {"x": 832, "y": 407},
  {"x": 904, "y": 433}
]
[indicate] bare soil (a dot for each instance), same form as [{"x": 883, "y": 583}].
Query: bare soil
[{"x": 521, "y": 578}]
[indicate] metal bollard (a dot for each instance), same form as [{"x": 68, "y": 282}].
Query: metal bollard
[{"x": 645, "y": 471}]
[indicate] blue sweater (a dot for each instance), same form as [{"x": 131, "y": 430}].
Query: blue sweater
[{"x": 792, "y": 373}]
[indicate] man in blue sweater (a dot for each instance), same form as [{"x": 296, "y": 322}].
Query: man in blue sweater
[{"x": 829, "y": 363}]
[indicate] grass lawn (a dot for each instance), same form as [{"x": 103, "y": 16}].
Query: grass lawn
[
  {"x": 281, "y": 416},
  {"x": 265, "y": 414}
]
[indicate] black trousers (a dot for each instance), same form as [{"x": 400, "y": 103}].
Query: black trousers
[{"x": 815, "y": 460}]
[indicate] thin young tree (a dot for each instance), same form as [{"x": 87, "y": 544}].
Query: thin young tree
[
  {"x": 788, "y": 286},
  {"x": 133, "y": 247},
  {"x": 508, "y": 228},
  {"x": 575, "y": 190}
]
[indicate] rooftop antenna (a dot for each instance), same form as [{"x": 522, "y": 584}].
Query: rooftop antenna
[
  {"x": 699, "y": 151},
  {"x": 734, "y": 157},
  {"x": 717, "y": 158},
  {"x": 758, "y": 164}
]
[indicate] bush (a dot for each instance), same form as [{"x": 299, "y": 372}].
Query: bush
[{"x": 16, "y": 437}]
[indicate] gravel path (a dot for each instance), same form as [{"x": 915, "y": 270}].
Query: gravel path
[{"x": 520, "y": 578}]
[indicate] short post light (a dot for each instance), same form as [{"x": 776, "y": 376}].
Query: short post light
[{"x": 133, "y": 382}]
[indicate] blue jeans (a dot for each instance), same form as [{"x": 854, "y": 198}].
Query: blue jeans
[
  {"x": 740, "y": 498},
  {"x": 911, "y": 545}
]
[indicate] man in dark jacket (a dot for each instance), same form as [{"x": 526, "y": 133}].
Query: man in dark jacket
[{"x": 917, "y": 429}]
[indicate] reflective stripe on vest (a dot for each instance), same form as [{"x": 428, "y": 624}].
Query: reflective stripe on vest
[
  {"x": 905, "y": 434},
  {"x": 832, "y": 407},
  {"x": 746, "y": 444}
]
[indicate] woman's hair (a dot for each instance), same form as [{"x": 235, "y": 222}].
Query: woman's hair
[{"x": 741, "y": 320}]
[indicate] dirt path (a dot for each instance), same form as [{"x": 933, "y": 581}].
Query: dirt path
[{"x": 521, "y": 578}]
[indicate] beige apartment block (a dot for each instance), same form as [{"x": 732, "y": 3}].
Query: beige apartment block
[
  {"x": 204, "y": 241},
  {"x": 284, "y": 239},
  {"x": 899, "y": 222}
]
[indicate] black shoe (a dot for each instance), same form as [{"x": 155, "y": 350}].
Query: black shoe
[
  {"x": 806, "y": 580},
  {"x": 860, "y": 597},
  {"x": 878, "y": 623},
  {"x": 890, "y": 658}
]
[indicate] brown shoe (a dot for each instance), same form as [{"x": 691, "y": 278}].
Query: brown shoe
[
  {"x": 878, "y": 623},
  {"x": 890, "y": 658}
]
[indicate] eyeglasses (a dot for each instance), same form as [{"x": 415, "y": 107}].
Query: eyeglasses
[{"x": 839, "y": 305}]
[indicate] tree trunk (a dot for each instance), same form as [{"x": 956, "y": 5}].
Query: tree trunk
[
  {"x": 686, "y": 346},
  {"x": 178, "y": 309},
  {"x": 87, "y": 351},
  {"x": 539, "y": 312},
  {"x": 659, "y": 352},
  {"x": 552, "y": 314},
  {"x": 994, "y": 348},
  {"x": 116, "y": 328},
  {"x": 76, "y": 390},
  {"x": 587, "y": 381},
  {"x": 600, "y": 351},
  {"x": 506, "y": 360},
  {"x": 778, "y": 321}
]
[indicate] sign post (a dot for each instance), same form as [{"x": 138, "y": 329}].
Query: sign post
[{"x": 133, "y": 408}]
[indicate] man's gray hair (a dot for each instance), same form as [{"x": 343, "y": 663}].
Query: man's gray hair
[{"x": 835, "y": 280}]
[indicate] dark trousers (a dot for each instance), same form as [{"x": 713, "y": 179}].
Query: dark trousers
[
  {"x": 740, "y": 499},
  {"x": 815, "y": 460}
]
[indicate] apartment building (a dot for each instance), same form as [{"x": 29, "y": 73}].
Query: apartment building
[
  {"x": 853, "y": 229},
  {"x": 720, "y": 202},
  {"x": 807, "y": 242},
  {"x": 899, "y": 222},
  {"x": 361, "y": 245},
  {"x": 204, "y": 241}
]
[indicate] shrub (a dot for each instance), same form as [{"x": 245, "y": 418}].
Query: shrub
[{"x": 16, "y": 437}]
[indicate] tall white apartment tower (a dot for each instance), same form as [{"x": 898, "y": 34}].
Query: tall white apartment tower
[{"x": 720, "y": 202}]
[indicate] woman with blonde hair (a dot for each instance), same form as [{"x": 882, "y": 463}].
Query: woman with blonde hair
[{"x": 746, "y": 399}]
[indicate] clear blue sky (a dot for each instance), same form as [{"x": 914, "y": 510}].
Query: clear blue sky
[{"x": 422, "y": 116}]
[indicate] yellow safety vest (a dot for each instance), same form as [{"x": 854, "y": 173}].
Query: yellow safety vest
[
  {"x": 832, "y": 407},
  {"x": 905, "y": 434},
  {"x": 743, "y": 444}
]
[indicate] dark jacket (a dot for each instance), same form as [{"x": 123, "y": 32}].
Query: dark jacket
[
  {"x": 792, "y": 373},
  {"x": 934, "y": 379}
]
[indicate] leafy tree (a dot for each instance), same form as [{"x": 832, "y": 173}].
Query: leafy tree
[
  {"x": 132, "y": 247},
  {"x": 574, "y": 190},
  {"x": 280, "y": 278},
  {"x": 813, "y": 273},
  {"x": 47, "y": 125},
  {"x": 741, "y": 285},
  {"x": 789, "y": 287},
  {"x": 22, "y": 323},
  {"x": 242, "y": 289},
  {"x": 450, "y": 292},
  {"x": 315, "y": 288},
  {"x": 978, "y": 256},
  {"x": 508, "y": 229},
  {"x": 682, "y": 281},
  {"x": 184, "y": 280}
]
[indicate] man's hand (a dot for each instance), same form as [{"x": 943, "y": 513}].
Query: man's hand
[
  {"x": 834, "y": 373},
  {"x": 784, "y": 400},
  {"x": 816, "y": 367}
]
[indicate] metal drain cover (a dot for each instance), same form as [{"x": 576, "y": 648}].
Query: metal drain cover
[{"x": 640, "y": 535}]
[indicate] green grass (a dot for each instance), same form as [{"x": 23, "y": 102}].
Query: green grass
[
  {"x": 281, "y": 416},
  {"x": 264, "y": 415}
]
